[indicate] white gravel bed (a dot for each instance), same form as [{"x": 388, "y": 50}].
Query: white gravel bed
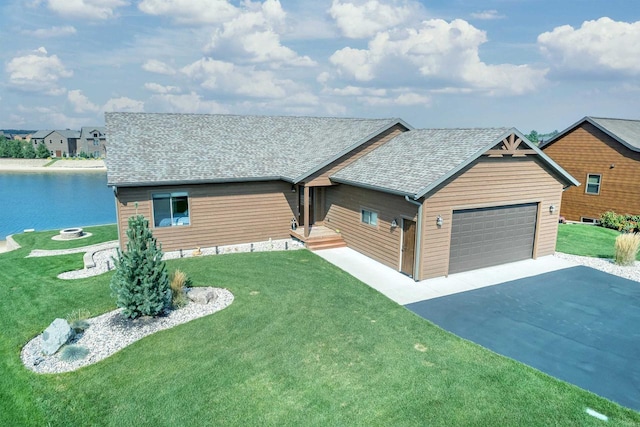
[
  {"x": 103, "y": 261},
  {"x": 103, "y": 254},
  {"x": 266, "y": 246},
  {"x": 54, "y": 252},
  {"x": 111, "y": 332},
  {"x": 631, "y": 272}
]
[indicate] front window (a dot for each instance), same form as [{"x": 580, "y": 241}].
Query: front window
[
  {"x": 593, "y": 184},
  {"x": 369, "y": 217},
  {"x": 170, "y": 209}
]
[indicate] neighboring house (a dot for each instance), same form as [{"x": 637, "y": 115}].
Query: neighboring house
[
  {"x": 425, "y": 202},
  {"x": 93, "y": 141},
  {"x": 60, "y": 143},
  {"x": 604, "y": 154}
]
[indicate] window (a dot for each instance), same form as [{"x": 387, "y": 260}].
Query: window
[
  {"x": 170, "y": 209},
  {"x": 96, "y": 154},
  {"x": 96, "y": 141},
  {"x": 589, "y": 220},
  {"x": 369, "y": 217},
  {"x": 593, "y": 184}
]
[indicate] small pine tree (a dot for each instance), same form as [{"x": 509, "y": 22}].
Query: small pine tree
[
  {"x": 42, "y": 152},
  {"x": 28, "y": 151},
  {"x": 141, "y": 282}
]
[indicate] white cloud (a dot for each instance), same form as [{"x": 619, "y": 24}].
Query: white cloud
[
  {"x": 487, "y": 15},
  {"x": 158, "y": 67},
  {"x": 225, "y": 77},
  {"x": 158, "y": 88},
  {"x": 253, "y": 35},
  {"x": 402, "y": 100},
  {"x": 438, "y": 54},
  {"x": 191, "y": 11},
  {"x": 355, "y": 91},
  {"x": 124, "y": 104},
  {"x": 599, "y": 46},
  {"x": 363, "y": 19},
  {"x": 89, "y": 9},
  {"x": 37, "y": 72},
  {"x": 52, "y": 32},
  {"x": 81, "y": 103},
  {"x": 187, "y": 103}
]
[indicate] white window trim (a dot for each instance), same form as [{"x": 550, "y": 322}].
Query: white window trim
[
  {"x": 588, "y": 220},
  {"x": 371, "y": 211},
  {"x": 586, "y": 187},
  {"x": 171, "y": 196}
]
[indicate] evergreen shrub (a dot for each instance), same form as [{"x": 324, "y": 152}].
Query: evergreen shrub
[{"x": 140, "y": 282}]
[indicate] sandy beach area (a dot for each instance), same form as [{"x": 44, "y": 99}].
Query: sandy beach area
[{"x": 44, "y": 165}]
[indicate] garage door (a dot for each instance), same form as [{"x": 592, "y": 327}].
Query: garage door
[{"x": 491, "y": 236}]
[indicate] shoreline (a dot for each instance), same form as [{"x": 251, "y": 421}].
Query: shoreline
[{"x": 40, "y": 165}]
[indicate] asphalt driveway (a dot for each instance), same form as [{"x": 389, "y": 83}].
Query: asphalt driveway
[{"x": 577, "y": 324}]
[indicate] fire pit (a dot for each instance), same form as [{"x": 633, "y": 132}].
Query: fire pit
[{"x": 71, "y": 233}]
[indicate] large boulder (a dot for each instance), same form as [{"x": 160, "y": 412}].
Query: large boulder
[
  {"x": 55, "y": 336},
  {"x": 202, "y": 295}
]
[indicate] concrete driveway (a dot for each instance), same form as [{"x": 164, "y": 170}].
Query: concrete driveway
[{"x": 577, "y": 324}]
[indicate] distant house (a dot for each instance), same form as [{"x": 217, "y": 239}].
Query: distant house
[
  {"x": 93, "y": 141},
  {"x": 604, "y": 154},
  {"x": 60, "y": 143},
  {"x": 426, "y": 202}
]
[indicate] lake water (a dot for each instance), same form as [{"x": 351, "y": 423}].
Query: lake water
[{"x": 49, "y": 200}]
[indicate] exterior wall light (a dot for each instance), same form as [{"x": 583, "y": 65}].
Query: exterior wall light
[
  {"x": 552, "y": 208},
  {"x": 439, "y": 221},
  {"x": 394, "y": 223}
]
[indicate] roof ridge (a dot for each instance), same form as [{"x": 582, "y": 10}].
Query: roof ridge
[{"x": 251, "y": 115}]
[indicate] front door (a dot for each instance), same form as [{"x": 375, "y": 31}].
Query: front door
[
  {"x": 301, "y": 205},
  {"x": 408, "y": 250}
]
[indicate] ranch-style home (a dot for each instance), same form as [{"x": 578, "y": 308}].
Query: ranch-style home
[
  {"x": 605, "y": 155},
  {"x": 426, "y": 202}
]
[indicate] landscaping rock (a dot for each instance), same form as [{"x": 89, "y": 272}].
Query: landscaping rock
[
  {"x": 55, "y": 336},
  {"x": 202, "y": 295}
]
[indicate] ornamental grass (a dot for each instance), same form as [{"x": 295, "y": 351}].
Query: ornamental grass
[{"x": 626, "y": 248}]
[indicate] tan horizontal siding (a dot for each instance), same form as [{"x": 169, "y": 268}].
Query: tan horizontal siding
[
  {"x": 382, "y": 243},
  {"x": 322, "y": 176},
  {"x": 220, "y": 214},
  {"x": 587, "y": 150},
  {"x": 489, "y": 182}
]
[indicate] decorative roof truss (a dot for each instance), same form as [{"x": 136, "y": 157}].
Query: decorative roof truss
[{"x": 510, "y": 146}]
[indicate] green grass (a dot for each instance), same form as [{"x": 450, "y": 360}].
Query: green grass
[
  {"x": 587, "y": 240},
  {"x": 42, "y": 240},
  {"x": 302, "y": 344}
]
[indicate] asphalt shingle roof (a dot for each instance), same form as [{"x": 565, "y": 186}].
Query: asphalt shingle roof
[
  {"x": 414, "y": 160},
  {"x": 148, "y": 149},
  {"x": 626, "y": 131}
]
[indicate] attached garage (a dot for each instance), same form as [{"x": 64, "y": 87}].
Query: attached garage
[
  {"x": 484, "y": 197},
  {"x": 484, "y": 237}
]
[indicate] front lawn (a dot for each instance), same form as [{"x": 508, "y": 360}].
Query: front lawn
[
  {"x": 302, "y": 344},
  {"x": 587, "y": 240}
]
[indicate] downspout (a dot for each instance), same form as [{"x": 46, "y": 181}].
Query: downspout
[
  {"x": 115, "y": 196},
  {"x": 418, "y": 236}
]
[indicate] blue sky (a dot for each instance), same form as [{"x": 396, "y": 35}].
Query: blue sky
[{"x": 532, "y": 64}]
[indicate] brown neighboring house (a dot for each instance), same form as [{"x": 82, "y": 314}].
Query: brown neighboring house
[
  {"x": 425, "y": 202},
  {"x": 605, "y": 155}
]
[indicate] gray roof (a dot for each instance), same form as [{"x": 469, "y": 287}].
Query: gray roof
[
  {"x": 41, "y": 134},
  {"x": 415, "y": 162},
  {"x": 86, "y": 132},
  {"x": 66, "y": 133},
  {"x": 626, "y": 132},
  {"x": 151, "y": 149}
]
